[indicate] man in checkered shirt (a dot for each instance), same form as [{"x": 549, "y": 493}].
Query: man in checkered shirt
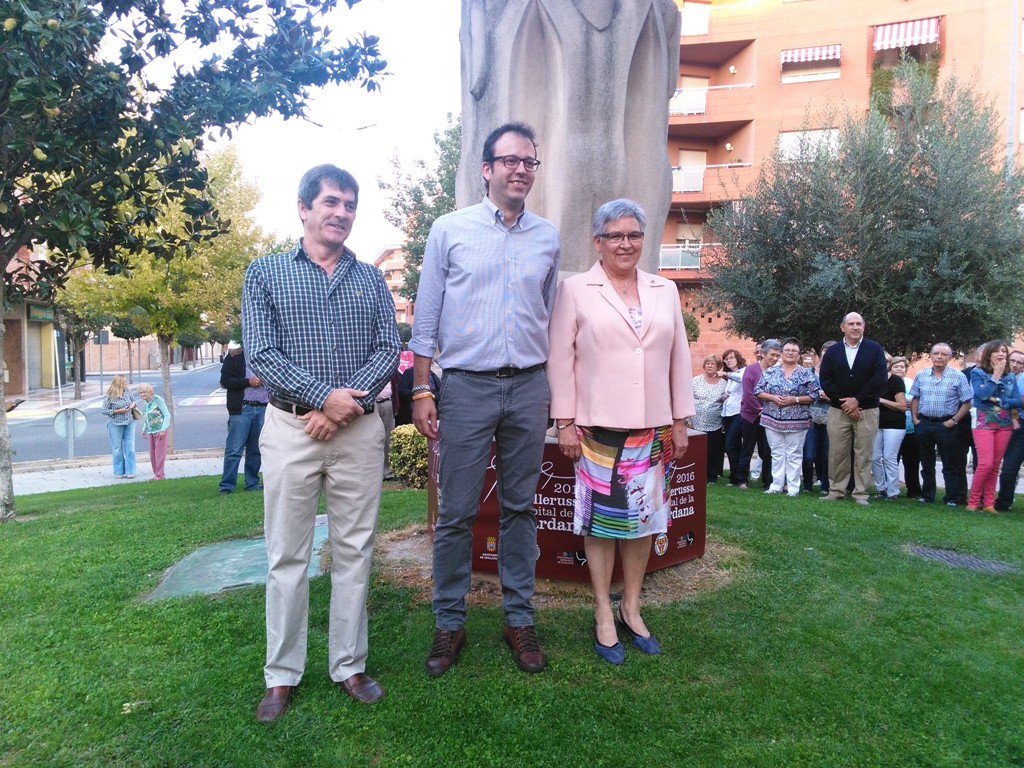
[{"x": 319, "y": 329}]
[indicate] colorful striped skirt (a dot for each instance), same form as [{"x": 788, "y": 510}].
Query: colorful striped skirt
[{"x": 622, "y": 482}]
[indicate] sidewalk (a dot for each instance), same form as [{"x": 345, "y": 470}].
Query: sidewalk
[{"x": 93, "y": 471}]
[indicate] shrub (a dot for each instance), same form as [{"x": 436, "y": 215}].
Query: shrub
[{"x": 408, "y": 456}]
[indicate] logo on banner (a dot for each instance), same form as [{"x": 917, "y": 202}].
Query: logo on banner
[
  {"x": 660, "y": 544},
  {"x": 492, "y": 544}
]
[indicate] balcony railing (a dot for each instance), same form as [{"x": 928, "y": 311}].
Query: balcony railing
[
  {"x": 691, "y": 178},
  {"x": 694, "y": 101},
  {"x": 679, "y": 257}
]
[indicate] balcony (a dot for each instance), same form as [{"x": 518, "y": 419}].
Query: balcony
[
  {"x": 691, "y": 179},
  {"x": 679, "y": 257},
  {"x": 714, "y": 98}
]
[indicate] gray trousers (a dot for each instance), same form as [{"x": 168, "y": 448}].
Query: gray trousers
[{"x": 473, "y": 411}]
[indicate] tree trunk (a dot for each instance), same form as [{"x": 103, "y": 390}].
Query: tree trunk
[
  {"x": 76, "y": 367},
  {"x": 130, "y": 362},
  {"x": 164, "y": 344},
  {"x": 6, "y": 467}
]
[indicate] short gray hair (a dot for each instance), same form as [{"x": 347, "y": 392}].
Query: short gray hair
[
  {"x": 768, "y": 344},
  {"x": 618, "y": 209}
]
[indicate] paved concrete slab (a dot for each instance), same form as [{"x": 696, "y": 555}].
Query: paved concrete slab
[{"x": 228, "y": 564}]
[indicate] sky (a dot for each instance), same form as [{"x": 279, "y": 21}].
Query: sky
[{"x": 362, "y": 131}]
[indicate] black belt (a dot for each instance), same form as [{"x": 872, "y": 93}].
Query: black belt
[
  {"x": 934, "y": 418},
  {"x": 500, "y": 373},
  {"x": 284, "y": 405},
  {"x": 254, "y": 403}
]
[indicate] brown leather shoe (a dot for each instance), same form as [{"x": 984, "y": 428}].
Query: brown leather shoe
[
  {"x": 275, "y": 703},
  {"x": 525, "y": 648},
  {"x": 362, "y": 688},
  {"x": 445, "y": 650}
]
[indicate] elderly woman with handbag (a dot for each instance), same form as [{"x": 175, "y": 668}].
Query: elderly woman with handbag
[
  {"x": 621, "y": 392},
  {"x": 121, "y": 410},
  {"x": 156, "y": 418}
]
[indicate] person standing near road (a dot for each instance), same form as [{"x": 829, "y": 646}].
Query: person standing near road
[
  {"x": 118, "y": 406},
  {"x": 156, "y": 419},
  {"x": 319, "y": 328},
  {"x": 247, "y": 405},
  {"x": 486, "y": 291}
]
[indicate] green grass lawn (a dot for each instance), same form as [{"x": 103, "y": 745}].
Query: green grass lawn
[{"x": 831, "y": 646}]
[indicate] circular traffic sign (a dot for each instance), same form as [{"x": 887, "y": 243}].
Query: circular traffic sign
[{"x": 69, "y": 421}]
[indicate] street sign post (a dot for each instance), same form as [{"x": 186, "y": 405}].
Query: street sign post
[{"x": 69, "y": 423}]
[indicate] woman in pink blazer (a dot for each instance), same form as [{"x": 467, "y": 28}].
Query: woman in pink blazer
[{"x": 621, "y": 387}]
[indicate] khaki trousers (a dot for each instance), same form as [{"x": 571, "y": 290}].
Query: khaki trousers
[
  {"x": 844, "y": 433},
  {"x": 297, "y": 471}
]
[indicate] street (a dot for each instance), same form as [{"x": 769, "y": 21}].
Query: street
[{"x": 199, "y": 411}]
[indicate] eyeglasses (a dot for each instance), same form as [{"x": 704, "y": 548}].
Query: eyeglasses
[
  {"x": 512, "y": 162},
  {"x": 616, "y": 238}
]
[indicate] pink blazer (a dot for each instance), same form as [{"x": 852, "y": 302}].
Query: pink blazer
[{"x": 602, "y": 372}]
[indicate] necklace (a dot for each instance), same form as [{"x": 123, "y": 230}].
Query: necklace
[{"x": 624, "y": 287}]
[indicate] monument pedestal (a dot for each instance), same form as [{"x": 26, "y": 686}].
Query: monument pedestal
[{"x": 560, "y": 552}]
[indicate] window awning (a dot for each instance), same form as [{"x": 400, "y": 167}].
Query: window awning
[
  {"x": 814, "y": 53},
  {"x": 904, "y": 34}
]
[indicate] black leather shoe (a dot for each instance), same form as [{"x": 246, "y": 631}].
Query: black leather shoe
[
  {"x": 362, "y": 687},
  {"x": 445, "y": 650},
  {"x": 275, "y": 703}
]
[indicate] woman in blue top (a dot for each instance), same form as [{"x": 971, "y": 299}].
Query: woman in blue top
[
  {"x": 155, "y": 421},
  {"x": 787, "y": 391},
  {"x": 996, "y": 402},
  {"x": 117, "y": 407}
]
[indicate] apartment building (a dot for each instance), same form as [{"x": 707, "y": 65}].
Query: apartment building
[
  {"x": 391, "y": 261},
  {"x": 756, "y": 74}
]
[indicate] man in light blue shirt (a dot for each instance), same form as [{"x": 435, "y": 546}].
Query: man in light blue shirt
[{"x": 486, "y": 290}]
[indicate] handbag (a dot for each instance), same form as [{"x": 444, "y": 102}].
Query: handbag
[
  {"x": 136, "y": 413},
  {"x": 819, "y": 411}
]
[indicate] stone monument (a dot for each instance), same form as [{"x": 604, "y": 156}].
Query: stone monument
[{"x": 593, "y": 78}]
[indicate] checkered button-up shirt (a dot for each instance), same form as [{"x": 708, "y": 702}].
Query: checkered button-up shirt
[
  {"x": 306, "y": 334},
  {"x": 942, "y": 396}
]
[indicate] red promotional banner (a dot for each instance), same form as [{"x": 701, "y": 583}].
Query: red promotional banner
[{"x": 560, "y": 552}]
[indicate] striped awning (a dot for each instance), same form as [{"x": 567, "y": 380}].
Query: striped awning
[
  {"x": 904, "y": 34},
  {"x": 814, "y": 53}
]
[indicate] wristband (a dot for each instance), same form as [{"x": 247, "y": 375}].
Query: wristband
[
  {"x": 422, "y": 395},
  {"x": 563, "y": 426},
  {"x": 421, "y": 388}
]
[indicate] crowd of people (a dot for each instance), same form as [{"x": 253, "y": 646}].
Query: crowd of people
[{"x": 845, "y": 417}]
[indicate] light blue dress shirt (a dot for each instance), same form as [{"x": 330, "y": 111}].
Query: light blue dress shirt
[{"x": 486, "y": 290}]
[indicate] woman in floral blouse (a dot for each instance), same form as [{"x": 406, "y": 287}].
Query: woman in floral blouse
[
  {"x": 996, "y": 402},
  {"x": 156, "y": 418},
  {"x": 787, "y": 390},
  {"x": 708, "y": 394}
]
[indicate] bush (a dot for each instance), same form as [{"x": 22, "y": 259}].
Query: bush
[{"x": 408, "y": 456}]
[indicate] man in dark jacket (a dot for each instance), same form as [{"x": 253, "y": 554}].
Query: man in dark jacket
[
  {"x": 247, "y": 405},
  {"x": 852, "y": 374}
]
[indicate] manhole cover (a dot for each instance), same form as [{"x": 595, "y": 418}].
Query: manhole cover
[{"x": 949, "y": 557}]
